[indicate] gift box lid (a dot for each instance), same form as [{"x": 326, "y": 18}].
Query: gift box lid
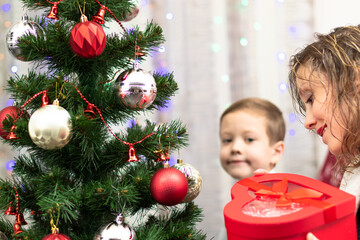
[{"x": 333, "y": 204}]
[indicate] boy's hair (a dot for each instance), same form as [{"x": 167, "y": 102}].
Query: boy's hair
[{"x": 275, "y": 124}]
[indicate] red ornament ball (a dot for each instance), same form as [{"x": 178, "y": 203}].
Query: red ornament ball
[
  {"x": 87, "y": 39},
  {"x": 13, "y": 112},
  {"x": 56, "y": 236},
  {"x": 169, "y": 186}
]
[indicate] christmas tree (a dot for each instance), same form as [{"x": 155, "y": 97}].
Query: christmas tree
[{"x": 76, "y": 177}]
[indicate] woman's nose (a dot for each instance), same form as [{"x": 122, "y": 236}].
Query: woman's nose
[{"x": 310, "y": 121}]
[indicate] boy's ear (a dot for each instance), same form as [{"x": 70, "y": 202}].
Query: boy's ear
[{"x": 278, "y": 151}]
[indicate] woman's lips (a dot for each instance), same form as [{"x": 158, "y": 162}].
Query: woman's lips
[{"x": 321, "y": 130}]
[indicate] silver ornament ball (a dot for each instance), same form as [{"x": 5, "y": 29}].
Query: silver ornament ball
[
  {"x": 136, "y": 89},
  {"x": 116, "y": 230},
  {"x": 134, "y": 12},
  {"x": 50, "y": 127},
  {"x": 19, "y": 30}
]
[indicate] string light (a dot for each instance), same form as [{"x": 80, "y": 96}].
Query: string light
[
  {"x": 257, "y": 26},
  {"x": 281, "y": 56},
  {"x": 14, "y": 69},
  {"x": 10, "y": 165},
  {"x": 225, "y": 78},
  {"x": 283, "y": 87},
  {"x": 215, "y": 47},
  {"x": 243, "y": 42},
  {"x": 245, "y": 3},
  {"x": 6, "y": 7},
  {"x": 7, "y": 24},
  {"x": 292, "y": 29},
  {"x": 218, "y": 20},
  {"x": 10, "y": 102},
  {"x": 131, "y": 123},
  {"x": 292, "y": 132},
  {"x": 292, "y": 117},
  {"x": 166, "y": 107},
  {"x": 162, "y": 49},
  {"x": 169, "y": 16}
]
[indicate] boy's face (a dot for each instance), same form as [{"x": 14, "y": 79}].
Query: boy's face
[{"x": 245, "y": 144}]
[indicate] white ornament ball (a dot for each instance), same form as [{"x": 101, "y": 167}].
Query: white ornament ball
[
  {"x": 50, "y": 127},
  {"x": 116, "y": 230},
  {"x": 136, "y": 88},
  {"x": 18, "y": 30}
]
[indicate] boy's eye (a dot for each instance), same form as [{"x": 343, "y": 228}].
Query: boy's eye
[
  {"x": 227, "y": 140},
  {"x": 249, "y": 139}
]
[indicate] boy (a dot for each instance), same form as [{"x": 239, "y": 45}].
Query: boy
[{"x": 252, "y": 132}]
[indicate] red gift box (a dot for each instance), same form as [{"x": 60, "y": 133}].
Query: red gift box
[{"x": 287, "y": 207}]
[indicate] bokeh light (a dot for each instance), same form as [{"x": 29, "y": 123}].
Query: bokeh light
[
  {"x": 292, "y": 132},
  {"x": 6, "y": 7},
  {"x": 292, "y": 29},
  {"x": 257, "y": 26},
  {"x": 7, "y": 24},
  {"x": 218, "y": 20},
  {"x": 169, "y": 16},
  {"x": 292, "y": 117},
  {"x": 10, "y": 165},
  {"x": 245, "y": 3},
  {"x": 283, "y": 87},
  {"x": 225, "y": 78},
  {"x": 162, "y": 49},
  {"x": 14, "y": 69},
  {"x": 243, "y": 42},
  {"x": 281, "y": 56},
  {"x": 215, "y": 47}
]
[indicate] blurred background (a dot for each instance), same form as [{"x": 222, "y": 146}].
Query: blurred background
[{"x": 219, "y": 52}]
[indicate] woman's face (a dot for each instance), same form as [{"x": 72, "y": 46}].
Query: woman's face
[{"x": 316, "y": 95}]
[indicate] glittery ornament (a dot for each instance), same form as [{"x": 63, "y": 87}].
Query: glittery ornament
[
  {"x": 134, "y": 12},
  {"x": 87, "y": 39},
  {"x": 169, "y": 186},
  {"x": 11, "y": 111},
  {"x": 20, "y": 29},
  {"x": 50, "y": 127},
  {"x": 136, "y": 88},
  {"x": 194, "y": 179},
  {"x": 116, "y": 230}
]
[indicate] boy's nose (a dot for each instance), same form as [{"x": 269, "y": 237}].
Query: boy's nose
[{"x": 236, "y": 147}]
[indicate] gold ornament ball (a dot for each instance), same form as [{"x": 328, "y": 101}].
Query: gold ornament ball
[
  {"x": 50, "y": 127},
  {"x": 2, "y": 236},
  {"x": 194, "y": 180}
]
